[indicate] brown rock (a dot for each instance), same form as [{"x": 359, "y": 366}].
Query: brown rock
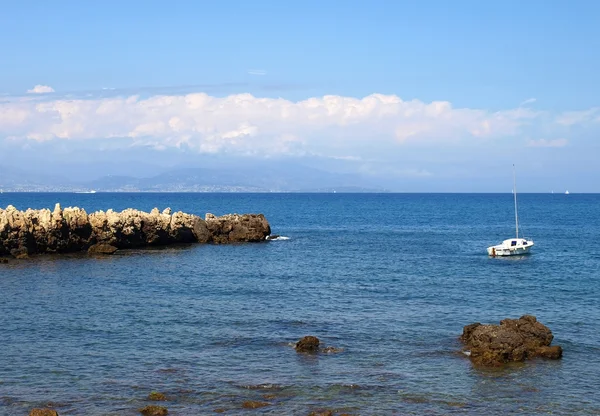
[
  {"x": 157, "y": 397},
  {"x": 3, "y": 261},
  {"x": 43, "y": 412},
  {"x": 326, "y": 412},
  {"x": 20, "y": 253},
  {"x": 188, "y": 228},
  {"x": 235, "y": 228},
  {"x": 553, "y": 352},
  {"x": 468, "y": 330},
  {"x": 308, "y": 344},
  {"x": 102, "y": 248},
  {"x": 251, "y": 404},
  {"x": 23, "y": 233},
  {"x": 512, "y": 340},
  {"x": 154, "y": 411}
]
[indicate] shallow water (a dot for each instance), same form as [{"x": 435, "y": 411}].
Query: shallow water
[{"x": 390, "y": 278}]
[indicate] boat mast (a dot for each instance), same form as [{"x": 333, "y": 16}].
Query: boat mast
[{"x": 515, "y": 195}]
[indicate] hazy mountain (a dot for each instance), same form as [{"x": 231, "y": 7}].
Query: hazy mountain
[
  {"x": 244, "y": 179},
  {"x": 270, "y": 177}
]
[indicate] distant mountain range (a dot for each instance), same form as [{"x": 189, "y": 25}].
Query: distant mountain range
[{"x": 264, "y": 178}]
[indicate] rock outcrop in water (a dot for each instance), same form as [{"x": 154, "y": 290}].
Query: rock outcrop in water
[
  {"x": 234, "y": 228},
  {"x": 253, "y": 404},
  {"x": 512, "y": 340},
  {"x": 308, "y": 343},
  {"x": 154, "y": 411},
  {"x": 311, "y": 344},
  {"x": 157, "y": 396},
  {"x": 43, "y": 412},
  {"x": 71, "y": 229}
]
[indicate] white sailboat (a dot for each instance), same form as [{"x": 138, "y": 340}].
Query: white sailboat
[{"x": 512, "y": 246}]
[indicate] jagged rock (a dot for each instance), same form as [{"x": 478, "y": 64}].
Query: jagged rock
[
  {"x": 43, "y": 412},
  {"x": 102, "y": 248},
  {"x": 154, "y": 411},
  {"x": 189, "y": 228},
  {"x": 308, "y": 344},
  {"x": 23, "y": 233},
  {"x": 233, "y": 228},
  {"x": 512, "y": 340}
]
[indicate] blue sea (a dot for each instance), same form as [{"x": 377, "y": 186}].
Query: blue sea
[{"x": 389, "y": 278}]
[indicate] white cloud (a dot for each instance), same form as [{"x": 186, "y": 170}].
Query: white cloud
[
  {"x": 245, "y": 124},
  {"x": 570, "y": 118},
  {"x": 528, "y": 101},
  {"x": 40, "y": 89},
  {"x": 257, "y": 72},
  {"x": 548, "y": 143}
]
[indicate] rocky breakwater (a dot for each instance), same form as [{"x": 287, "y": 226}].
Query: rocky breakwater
[
  {"x": 23, "y": 233},
  {"x": 234, "y": 228},
  {"x": 512, "y": 340}
]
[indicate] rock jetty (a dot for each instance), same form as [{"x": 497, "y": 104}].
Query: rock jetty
[
  {"x": 512, "y": 340},
  {"x": 23, "y": 233}
]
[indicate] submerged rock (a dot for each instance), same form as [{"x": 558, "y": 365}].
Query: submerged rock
[
  {"x": 20, "y": 253},
  {"x": 43, "y": 412},
  {"x": 102, "y": 248},
  {"x": 157, "y": 397},
  {"x": 553, "y": 352},
  {"x": 154, "y": 411},
  {"x": 512, "y": 340},
  {"x": 251, "y": 404},
  {"x": 23, "y": 233},
  {"x": 325, "y": 412},
  {"x": 332, "y": 350}
]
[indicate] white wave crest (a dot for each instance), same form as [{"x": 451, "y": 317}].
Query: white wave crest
[{"x": 278, "y": 238}]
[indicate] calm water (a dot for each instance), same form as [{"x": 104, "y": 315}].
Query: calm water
[{"x": 390, "y": 278}]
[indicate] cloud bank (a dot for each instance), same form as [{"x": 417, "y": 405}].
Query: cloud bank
[
  {"x": 245, "y": 124},
  {"x": 40, "y": 89}
]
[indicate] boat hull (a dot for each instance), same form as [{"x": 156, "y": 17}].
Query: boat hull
[{"x": 502, "y": 251}]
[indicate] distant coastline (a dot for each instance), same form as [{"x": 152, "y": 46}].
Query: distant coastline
[{"x": 309, "y": 191}]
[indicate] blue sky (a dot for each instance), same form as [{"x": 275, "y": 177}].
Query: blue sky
[{"x": 518, "y": 79}]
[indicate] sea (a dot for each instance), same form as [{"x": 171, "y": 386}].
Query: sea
[{"x": 389, "y": 279}]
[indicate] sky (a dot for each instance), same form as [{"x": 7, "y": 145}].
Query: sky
[{"x": 432, "y": 96}]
